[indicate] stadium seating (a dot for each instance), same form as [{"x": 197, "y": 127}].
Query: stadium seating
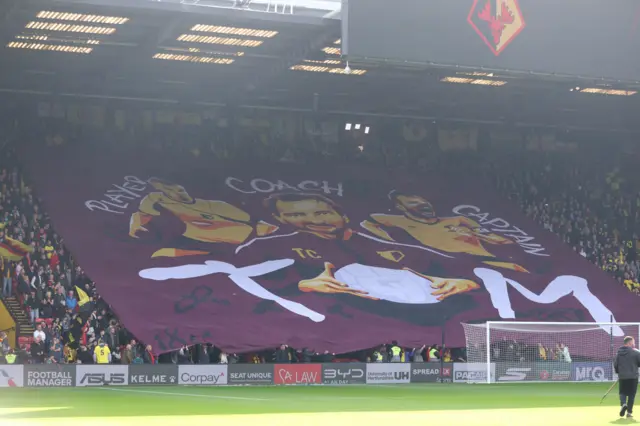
[{"x": 565, "y": 194}]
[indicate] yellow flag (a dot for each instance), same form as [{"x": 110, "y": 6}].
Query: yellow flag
[
  {"x": 13, "y": 249},
  {"x": 82, "y": 296}
]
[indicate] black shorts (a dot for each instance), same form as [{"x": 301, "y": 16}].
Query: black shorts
[{"x": 628, "y": 387}]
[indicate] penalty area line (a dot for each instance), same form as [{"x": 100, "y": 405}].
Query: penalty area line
[{"x": 195, "y": 395}]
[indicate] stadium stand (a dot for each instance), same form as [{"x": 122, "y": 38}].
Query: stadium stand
[{"x": 590, "y": 204}]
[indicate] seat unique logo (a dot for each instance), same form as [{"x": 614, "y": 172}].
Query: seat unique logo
[{"x": 497, "y": 22}]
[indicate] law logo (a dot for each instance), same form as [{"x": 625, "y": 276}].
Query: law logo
[{"x": 497, "y": 22}]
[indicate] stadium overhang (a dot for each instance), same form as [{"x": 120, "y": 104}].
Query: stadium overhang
[{"x": 295, "y": 11}]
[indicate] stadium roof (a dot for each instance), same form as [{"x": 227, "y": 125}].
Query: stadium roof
[{"x": 212, "y": 52}]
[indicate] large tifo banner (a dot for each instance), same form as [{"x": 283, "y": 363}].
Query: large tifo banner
[{"x": 335, "y": 259}]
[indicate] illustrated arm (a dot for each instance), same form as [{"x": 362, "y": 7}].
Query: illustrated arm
[
  {"x": 145, "y": 213},
  {"x": 376, "y": 228},
  {"x": 242, "y": 277},
  {"x": 326, "y": 282},
  {"x": 445, "y": 287}
]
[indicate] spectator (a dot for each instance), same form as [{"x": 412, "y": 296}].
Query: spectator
[
  {"x": 70, "y": 301},
  {"x": 282, "y": 355},
  {"x": 39, "y": 334},
  {"x": 38, "y": 351},
  {"x": 56, "y": 351},
  {"x": 396, "y": 351},
  {"x": 417, "y": 354},
  {"x": 102, "y": 354},
  {"x": 10, "y": 357},
  {"x": 112, "y": 338},
  {"x": 542, "y": 353},
  {"x": 381, "y": 355},
  {"x": 4, "y": 344},
  {"x": 149, "y": 357},
  {"x": 84, "y": 356},
  {"x": 566, "y": 357},
  {"x": 33, "y": 306},
  {"x": 306, "y": 355},
  {"x": 203, "y": 354},
  {"x": 434, "y": 355},
  {"x": 5, "y": 270},
  {"x": 127, "y": 355}
]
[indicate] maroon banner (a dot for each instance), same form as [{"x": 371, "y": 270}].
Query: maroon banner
[{"x": 250, "y": 256}]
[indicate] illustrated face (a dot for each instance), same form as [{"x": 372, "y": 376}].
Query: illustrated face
[
  {"x": 310, "y": 215},
  {"x": 173, "y": 191},
  {"x": 416, "y": 206}
]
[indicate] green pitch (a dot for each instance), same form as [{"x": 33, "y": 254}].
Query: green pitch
[{"x": 448, "y": 404}]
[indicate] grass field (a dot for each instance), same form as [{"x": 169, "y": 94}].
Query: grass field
[{"x": 563, "y": 404}]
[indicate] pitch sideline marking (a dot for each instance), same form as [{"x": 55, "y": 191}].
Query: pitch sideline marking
[{"x": 197, "y": 395}]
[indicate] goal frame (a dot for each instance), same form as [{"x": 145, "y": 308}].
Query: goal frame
[{"x": 488, "y": 325}]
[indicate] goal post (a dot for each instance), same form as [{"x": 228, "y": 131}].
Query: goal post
[{"x": 519, "y": 351}]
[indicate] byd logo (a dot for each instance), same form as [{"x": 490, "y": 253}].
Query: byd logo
[
  {"x": 338, "y": 374},
  {"x": 592, "y": 374}
]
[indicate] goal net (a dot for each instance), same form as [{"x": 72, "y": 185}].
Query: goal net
[{"x": 507, "y": 352}]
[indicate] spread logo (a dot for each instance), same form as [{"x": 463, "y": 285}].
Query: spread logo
[{"x": 497, "y": 22}]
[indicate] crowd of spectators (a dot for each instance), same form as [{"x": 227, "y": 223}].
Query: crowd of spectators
[
  {"x": 507, "y": 350},
  {"x": 591, "y": 204},
  {"x": 48, "y": 284}
]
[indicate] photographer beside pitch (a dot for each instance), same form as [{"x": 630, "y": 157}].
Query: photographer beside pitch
[{"x": 626, "y": 366}]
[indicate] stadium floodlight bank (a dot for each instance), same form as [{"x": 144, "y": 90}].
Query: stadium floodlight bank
[{"x": 521, "y": 351}]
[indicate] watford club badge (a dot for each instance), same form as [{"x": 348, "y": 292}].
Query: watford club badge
[{"x": 497, "y": 22}]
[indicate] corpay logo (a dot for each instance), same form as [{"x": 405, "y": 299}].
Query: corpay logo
[{"x": 201, "y": 379}]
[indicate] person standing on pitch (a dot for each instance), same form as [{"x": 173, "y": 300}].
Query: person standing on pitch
[{"x": 626, "y": 366}]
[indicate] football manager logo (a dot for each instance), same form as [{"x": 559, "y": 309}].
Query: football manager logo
[{"x": 497, "y": 22}]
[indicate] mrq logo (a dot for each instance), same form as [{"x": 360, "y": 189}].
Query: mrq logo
[{"x": 591, "y": 372}]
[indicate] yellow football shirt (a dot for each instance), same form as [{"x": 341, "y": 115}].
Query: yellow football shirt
[{"x": 102, "y": 354}]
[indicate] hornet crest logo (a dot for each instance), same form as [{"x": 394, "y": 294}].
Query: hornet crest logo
[{"x": 497, "y": 22}]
